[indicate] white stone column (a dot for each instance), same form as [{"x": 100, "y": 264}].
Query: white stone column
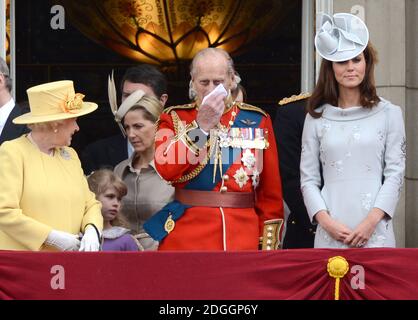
[
  {"x": 327, "y": 7},
  {"x": 3, "y": 29},
  {"x": 308, "y": 50},
  {"x": 13, "y": 46},
  {"x": 386, "y": 22}
]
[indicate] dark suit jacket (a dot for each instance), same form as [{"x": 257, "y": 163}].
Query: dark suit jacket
[
  {"x": 104, "y": 153},
  {"x": 12, "y": 131},
  {"x": 288, "y": 127}
]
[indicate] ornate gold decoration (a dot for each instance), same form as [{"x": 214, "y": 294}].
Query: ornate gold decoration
[
  {"x": 245, "y": 106},
  {"x": 7, "y": 31},
  {"x": 194, "y": 173},
  {"x": 168, "y": 31},
  {"x": 271, "y": 234},
  {"x": 182, "y": 106},
  {"x": 181, "y": 133},
  {"x": 337, "y": 268},
  {"x": 169, "y": 224},
  {"x": 294, "y": 98}
]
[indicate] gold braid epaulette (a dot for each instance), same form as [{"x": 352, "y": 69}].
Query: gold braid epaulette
[
  {"x": 294, "y": 98},
  {"x": 245, "y": 106},
  {"x": 183, "y": 106}
]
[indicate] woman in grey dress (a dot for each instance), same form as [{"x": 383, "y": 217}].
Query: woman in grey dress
[
  {"x": 147, "y": 191},
  {"x": 353, "y": 143}
]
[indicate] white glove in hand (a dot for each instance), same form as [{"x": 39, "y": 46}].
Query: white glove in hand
[
  {"x": 64, "y": 241},
  {"x": 90, "y": 240}
]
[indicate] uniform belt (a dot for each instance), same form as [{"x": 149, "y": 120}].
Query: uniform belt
[{"x": 199, "y": 198}]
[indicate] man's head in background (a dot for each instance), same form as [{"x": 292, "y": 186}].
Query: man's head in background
[{"x": 147, "y": 78}]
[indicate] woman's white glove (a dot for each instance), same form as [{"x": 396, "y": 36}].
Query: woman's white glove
[
  {"x": 64, "y": 241},
  {"x": 90, "y": 240}
]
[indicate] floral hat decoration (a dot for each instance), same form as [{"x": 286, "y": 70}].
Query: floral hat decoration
[
  {"x": 54, "y": 101},
  {"x": 341, "y": 37}
]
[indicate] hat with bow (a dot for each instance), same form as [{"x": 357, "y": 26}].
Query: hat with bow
[
  {"x": 54, "y": 101},
  {"x": 341, "y": 37}
]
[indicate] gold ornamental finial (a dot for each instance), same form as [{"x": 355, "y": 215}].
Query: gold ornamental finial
[{"x": 337, "y": 268}]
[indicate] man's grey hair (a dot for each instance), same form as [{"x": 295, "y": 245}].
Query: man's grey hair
[
  {"x": 212, "y": 51},
  {"x": 4, "y": 70}
]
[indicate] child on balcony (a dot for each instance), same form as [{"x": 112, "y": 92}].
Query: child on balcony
[{"x": 109, "y": 190}]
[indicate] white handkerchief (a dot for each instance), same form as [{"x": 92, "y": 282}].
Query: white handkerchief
[{"x": 220, "y": 89}]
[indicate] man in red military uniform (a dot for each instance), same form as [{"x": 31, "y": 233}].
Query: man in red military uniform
[{"x": 221, "y": 157}]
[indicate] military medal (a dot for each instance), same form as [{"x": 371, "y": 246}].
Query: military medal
[
  {"x": 256, "y": 178},
  {"x": 241, "y": 177},
  {"x": 169, "y": 224},
  {"x": 223, "y": 139},
  {"x": 248, "y": 159}
]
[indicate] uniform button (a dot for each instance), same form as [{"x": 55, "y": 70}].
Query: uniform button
[
  {"x": 225, "y": 177},
  {"x": 310, "y": 230},
  {"x": 293, "y": 222},
  {"x": 270, "y": 228},
  {"x": 269, "y": 235},
  {"x": 268, "y": 248},
  {"x": 269, "y": 241},
  {"x": 224, "y": 189}
]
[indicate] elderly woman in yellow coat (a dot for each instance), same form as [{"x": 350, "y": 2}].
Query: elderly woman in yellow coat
[{"x": 45, "y": 202}]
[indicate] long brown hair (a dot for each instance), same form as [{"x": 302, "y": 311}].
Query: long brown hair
[{"x": 326, "y": 90}]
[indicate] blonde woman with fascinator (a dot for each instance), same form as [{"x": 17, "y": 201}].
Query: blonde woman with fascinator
[
  {"x": 45, "y": 202},
  {"x": 147, "y": 191},
  {"x": 354, "y": 140}
]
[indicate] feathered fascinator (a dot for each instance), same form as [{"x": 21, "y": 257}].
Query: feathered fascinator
[{"x": 126, "y": 105}]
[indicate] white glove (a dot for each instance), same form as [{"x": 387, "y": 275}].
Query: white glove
[
  {"x": 90, "y": 240},
  {"x": 63, "y": 240}
]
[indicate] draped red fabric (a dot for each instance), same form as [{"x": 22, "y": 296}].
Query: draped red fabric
[{"x": 274, "y": 275}]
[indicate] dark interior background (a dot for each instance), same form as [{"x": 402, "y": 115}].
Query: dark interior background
[{"x": 269, "y": 67}]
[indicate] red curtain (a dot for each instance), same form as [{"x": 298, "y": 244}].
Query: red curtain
[{"x": 274, "y": 275}]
